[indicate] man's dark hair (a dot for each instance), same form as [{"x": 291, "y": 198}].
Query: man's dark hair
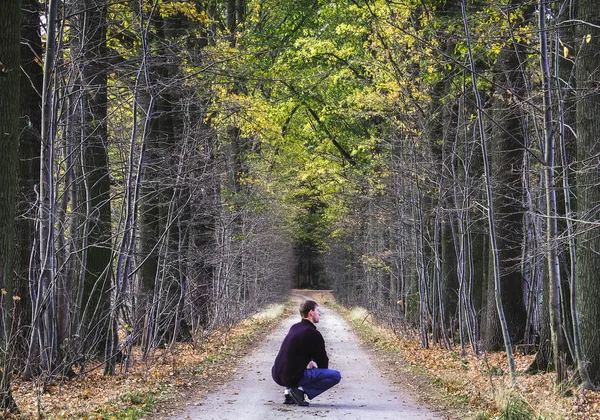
[{"x": 306, "y": 307}]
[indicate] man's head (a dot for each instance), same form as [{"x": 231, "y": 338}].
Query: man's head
[{"x": 310, "y": 310}]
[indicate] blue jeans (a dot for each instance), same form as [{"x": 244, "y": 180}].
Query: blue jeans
[{"x": 317, "y": 381}]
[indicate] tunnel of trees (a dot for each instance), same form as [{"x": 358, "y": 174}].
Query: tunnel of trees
[{"x": 171, "y": 166}]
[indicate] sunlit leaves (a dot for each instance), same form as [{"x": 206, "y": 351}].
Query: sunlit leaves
[
  {"x": 302, "y": 98},
  {"x": 123, "y": 32},
  {"x": 184, "y": 8},
  {"x": 324, "y": 84}
]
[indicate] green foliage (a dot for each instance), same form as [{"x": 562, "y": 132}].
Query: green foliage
[
  {"x": 483, "y": 415},
  {"x": 494, "y": 371},
  {"x": 133, "y": 405},
  {"x": 515, "y": 408}
]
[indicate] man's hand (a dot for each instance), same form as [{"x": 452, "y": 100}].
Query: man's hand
[{"x": 311, "y": 365}]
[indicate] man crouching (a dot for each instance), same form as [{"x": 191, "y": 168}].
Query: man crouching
[{"x": 302, "y": 365}]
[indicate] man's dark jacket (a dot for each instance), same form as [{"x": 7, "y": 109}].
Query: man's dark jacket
[{"x": 302, "y": 344}]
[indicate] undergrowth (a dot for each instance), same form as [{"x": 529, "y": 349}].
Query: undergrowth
[
  {"x": 485, "y": 397},
  {"x": 516, "y": 408},
  {"x": 131, "y": 406},
  {"x": 148, "y": 383}
]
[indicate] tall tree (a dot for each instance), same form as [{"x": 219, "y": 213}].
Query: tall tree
[
  {"x": 44, "y": 326},
  {"x": 442, "y": 138},
  {"x": 549, "y": 147},
  {"x": 587, "y": 14},
  {"x": 508, "y": 142},
  {"x": 163, "y": 210},
  {"x": 90, "y": 56},
  {"x": 10, "y": 31},
  {"x": 29, "y": 152},
  {"x": 495, "y": 252},
  {"x": 566, "y": 123}
]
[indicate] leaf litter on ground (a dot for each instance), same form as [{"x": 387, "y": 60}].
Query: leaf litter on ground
[
  {"x": 459, "y": 385},
  {"x": 478, "y": 386},
  {"x": 161, "y": 382}
]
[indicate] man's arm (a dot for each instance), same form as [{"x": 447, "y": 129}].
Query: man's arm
[{"x": 319, "y": 354}]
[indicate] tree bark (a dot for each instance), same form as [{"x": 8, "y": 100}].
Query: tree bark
[
  {"x": 29, "y": 165},
  {"x": 588, "y": 180},
  {"x": 10, "y": 16},
  {"x": 495, "y": 253},
  {"x": 565, "y": 81},
  {"x": 95, "y": 317},
  {"x": 559, "y": 347},
  {"x": 162, "y": 265},
  {"x": 44, "y": 329},
  {"x": 508, "y": 141}
]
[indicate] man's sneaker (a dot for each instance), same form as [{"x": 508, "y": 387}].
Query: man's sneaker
[
  {"x": 288, "y": 399},
  {"x": 298, "y": 397}
]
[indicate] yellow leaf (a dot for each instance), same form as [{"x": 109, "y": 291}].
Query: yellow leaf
[
  {"x": 588, "y": 38},
  {"x": 566, "y": 51}
]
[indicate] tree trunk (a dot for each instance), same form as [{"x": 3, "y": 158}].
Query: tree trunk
[
  {"x": 95, "y": 316},
  {"x": 554, "y": 279},
  {"x": 160, "y": 212},
  {"x": 29, "y": 153},
  {"x": 507, "y": 143},
  {"x": 495, "y": 253},
  {"x": 44, "y": 329},
  {"x": 10, "y": 16},
  {"x": 565, "y": 80},
  {"x": 588, "y": 180},
  {"x": 543, "y": 361}
]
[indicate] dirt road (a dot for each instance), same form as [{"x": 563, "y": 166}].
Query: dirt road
[{"x": 363, "y": 392}]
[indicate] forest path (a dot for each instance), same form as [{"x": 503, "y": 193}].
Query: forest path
[{"x": 363, "y": 392}]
